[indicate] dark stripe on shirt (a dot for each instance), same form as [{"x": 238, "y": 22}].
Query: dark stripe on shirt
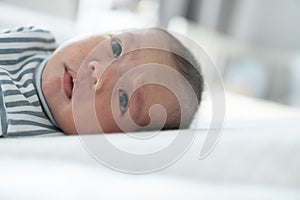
[
  {"x": 26, "y": 39},
  {"x": 31, "y": 123},
  {"x": 3, "y": 114},
  {"x": 21, "y": 103},
  {"x": 34, "y": 59},
  {"x": 18, "y": 92},
  {"x": 33, "y": 133},
  {"x": 32, "y": 113},
  {"x": 10, "y": 82},
  {"x": 27, "y": 71},
  {"x": 14, "y": 62},
  {"x": 22, "y": 50}
]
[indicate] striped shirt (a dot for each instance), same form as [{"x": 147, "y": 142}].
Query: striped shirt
[{"x": 23, "y": 55}]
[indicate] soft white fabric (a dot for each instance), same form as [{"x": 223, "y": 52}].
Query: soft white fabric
[{"x": 253, "y": 163}]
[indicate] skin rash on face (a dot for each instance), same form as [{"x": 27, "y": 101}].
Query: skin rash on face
[{"x": 80, "y": 77}]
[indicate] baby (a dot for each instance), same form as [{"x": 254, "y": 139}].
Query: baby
[{"x": 95, "y": 84}]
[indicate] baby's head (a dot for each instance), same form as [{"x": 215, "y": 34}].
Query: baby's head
[{"x": 103, "y": 82}]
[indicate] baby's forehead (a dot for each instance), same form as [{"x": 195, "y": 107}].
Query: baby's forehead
[
  {"x": 139, "y": 32},
  {"x": 145, "y": 58},
  {"x": 146, "y": 44},
  {"x": 143, "y": 47},
  {"x": 144, "y": 38}
]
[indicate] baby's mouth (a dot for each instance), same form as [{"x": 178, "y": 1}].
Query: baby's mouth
[{"x": 68, "y": 84}]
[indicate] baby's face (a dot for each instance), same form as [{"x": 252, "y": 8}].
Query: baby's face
[{"x": 79, "y": 82}]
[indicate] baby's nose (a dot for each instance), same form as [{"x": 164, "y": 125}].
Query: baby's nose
[{"x": 94, "y": 71}]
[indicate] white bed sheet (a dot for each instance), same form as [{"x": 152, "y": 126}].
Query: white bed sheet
[
  {"x": 37, "y": 179},
  {"x": 246, "y": 164},
  {"x": 257, "y": 157}
]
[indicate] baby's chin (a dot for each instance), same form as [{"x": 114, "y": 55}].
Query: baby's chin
[{"x": 69, "y": 130}]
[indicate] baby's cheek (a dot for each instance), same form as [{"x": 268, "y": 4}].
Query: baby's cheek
[
  {"x": 137, "y": 111},
  {"x": 105, "y": 106},
  {"x": 66, "y": 122},
  {"x": 51, "y": 86},
  {"x": 107, "y": 122}
]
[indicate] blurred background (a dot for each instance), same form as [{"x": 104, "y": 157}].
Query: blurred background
[{"x": 255, "y": 43}]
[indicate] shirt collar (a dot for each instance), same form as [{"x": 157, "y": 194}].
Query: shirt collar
[{"x": 38, "y": 80}]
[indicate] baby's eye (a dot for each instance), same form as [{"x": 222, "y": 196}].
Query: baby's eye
[
  {"x": 123, "y": 98},
  {"x": 116, "y": 48}
]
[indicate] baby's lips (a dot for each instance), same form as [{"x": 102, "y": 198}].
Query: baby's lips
[
  {"x": 72, "y": 74},
  {"x": 67, "y": 84},
  {"x": 75, "y": 84}
]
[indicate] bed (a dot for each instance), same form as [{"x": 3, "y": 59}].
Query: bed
[{"x": 255, "y": 158}]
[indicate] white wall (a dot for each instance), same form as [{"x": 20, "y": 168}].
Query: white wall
[
  {"x": 59, "y": 8},
  {"x": 274, "y": 24}
]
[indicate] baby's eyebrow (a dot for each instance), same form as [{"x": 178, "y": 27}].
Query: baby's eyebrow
[
  {"x": 127, "y": 38},
  {"x": 131, "y": 36}
]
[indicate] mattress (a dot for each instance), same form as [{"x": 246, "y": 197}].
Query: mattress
[{"x": 256, "y": 157}]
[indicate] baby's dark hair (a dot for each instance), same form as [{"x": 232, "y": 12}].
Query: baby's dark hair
[{"x": 189, "y": 67}]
